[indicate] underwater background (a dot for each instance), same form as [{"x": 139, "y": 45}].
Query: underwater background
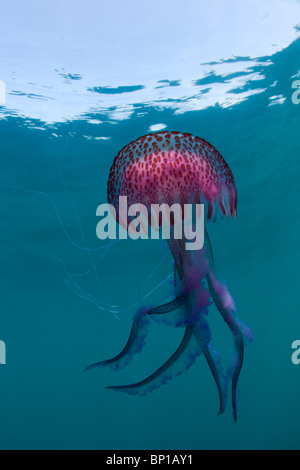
[{"x": 82, "y": 81}]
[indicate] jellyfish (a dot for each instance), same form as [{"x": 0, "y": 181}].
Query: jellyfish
[{"x": 167, "y": 168}]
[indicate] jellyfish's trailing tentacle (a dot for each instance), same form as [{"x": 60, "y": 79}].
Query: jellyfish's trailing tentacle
[
  {"x": 221, "y": 383},
  {"x": 169, "y": 307},
  {"x": 181, "y": 360},
  {"x": 176, "y": 250},
  {"x": 138, "y": 333},
  {"x": 203, "y": 336},
  {"x": 193, "y": 344},
  {"x": 171, "y": 313},
  {"x": 134, "y": 345},
  {"x": 225, "y": 305},
  {"x": 227, "y": 315},
  {"x": 215, "y": 367}
]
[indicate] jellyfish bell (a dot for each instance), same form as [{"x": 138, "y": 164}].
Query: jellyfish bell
[
  {"x": 172, "y": 168},
  {"x": 168, "y": 169}
]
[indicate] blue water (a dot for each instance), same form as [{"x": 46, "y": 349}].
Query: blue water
[{"x": 64, "y": 306}]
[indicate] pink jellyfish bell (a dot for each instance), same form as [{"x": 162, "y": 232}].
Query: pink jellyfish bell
[{"x": 169, "y": 168}]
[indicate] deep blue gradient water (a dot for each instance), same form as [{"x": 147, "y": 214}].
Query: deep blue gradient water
[{"x": 64, "y": 307}]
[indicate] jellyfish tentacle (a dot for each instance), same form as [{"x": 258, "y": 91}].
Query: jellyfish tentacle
[
  {"x": 204, "y": 343},
  {"x": 188, "y": 350},
  {"x": 177, "y": 256},
  {"x": 203, "y": 337},
  {"x": 134, "y": 345},
  {"x": 169, "y": 307},
  {"x": 213, "y": 368},
  {"x": 237, "y": 372},
  {"x": 230, "y": 320},
  {"x": 137, "y": 335},
  {"x": 226, "y": 313}
]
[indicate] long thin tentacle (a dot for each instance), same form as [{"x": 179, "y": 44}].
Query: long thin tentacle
[
  {"x": 220, "y": 386},
  {"x": 169, "y": 307},
  {"x": 167, "y": 370},
  {"x": 231, "y": 321},
  {"x": 137, "y": 335},
  {"x": 238, "y": 338},
  {"x": 133, "y": 346},
  {"x": 203, "y": 335},
  {"x": 225, "y": 313}
]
